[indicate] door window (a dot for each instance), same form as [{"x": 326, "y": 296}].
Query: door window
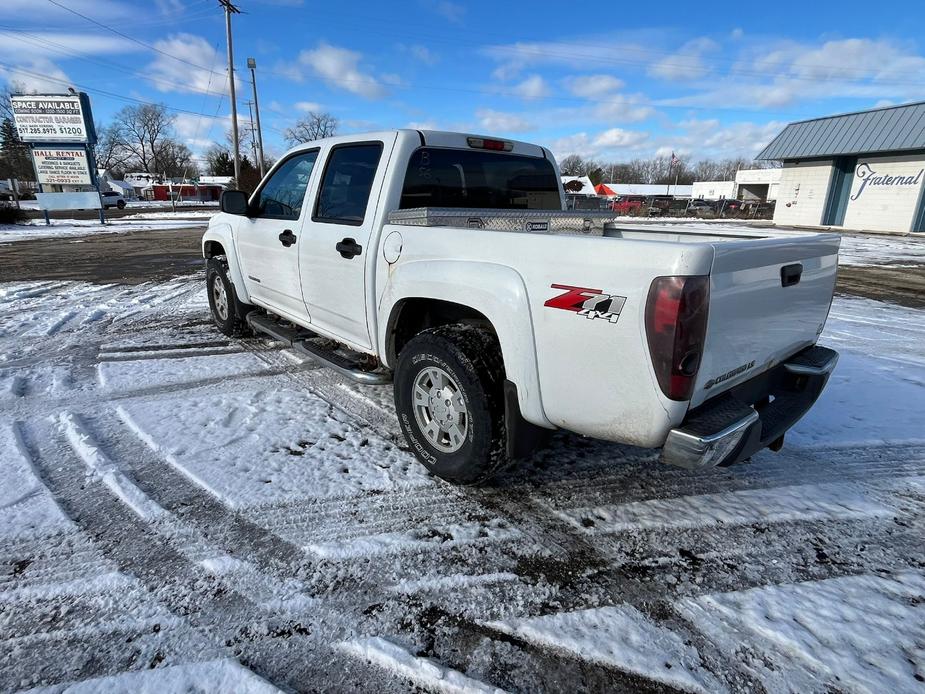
[
  {"x": 348, "y": 179},
  {"x": 283, "y": 194}
]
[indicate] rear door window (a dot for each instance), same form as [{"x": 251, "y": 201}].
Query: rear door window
[
  {"x": 348, "y": 180},
  {"x": 439, "y": 177}
]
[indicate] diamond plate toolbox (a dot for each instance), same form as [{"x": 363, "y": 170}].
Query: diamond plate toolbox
[{"x": 531, "y": 221}]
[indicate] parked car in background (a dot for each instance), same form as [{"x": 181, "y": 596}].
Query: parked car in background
[
  {"x": 628, "y": 204},
  {"x": 113, "y": 199},
  {"x": 728, "y": 205},
  {"x": 700, "y": 205}
]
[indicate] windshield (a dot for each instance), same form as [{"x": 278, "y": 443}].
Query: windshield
[{"x": 477, "y": 179}]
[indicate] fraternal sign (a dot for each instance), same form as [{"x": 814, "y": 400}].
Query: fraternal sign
[
  {"x": 50, "y": 118},
  {"x": 873, "y": 179},
  {"x": 62, "y": 166}
]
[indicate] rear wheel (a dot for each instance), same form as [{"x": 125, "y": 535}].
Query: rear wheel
[
  {"x": 449, "y": 400},
  {"x": 228, "y": 313},
  {"x": 121, "y": 204}
]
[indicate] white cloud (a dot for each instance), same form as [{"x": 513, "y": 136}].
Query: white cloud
[
  {"x": 580, "y": 53},
  {"x": 711, "y": 138},
  {"x": 339, "y": 67},
  {"x": 306, "y": 106},
  {"x": 593, "y": 86},
  {"x": 101, "y": 10},
  {"x": 450, "y": 11},
  {"x": 500, "y": 122},
  {"x": 687, "y": 63},
  {"x": 618, "y": 137},
  {"x": 52, "y": 44},
  {"x": 623, "y": 108},
  {"x": 170, "y": 75},
  {"x": 36, "y": 76},
  {"x": 196, "y": 130},
  {"x": 420, "y": 53},
  {"x": 614, "y": 143},
  {"x": 169, "y": 7},
  {"x": 534, "y": 87}
]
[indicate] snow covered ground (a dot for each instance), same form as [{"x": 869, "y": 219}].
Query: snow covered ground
[
  {"x": 60, "y": 228},
  {"x": 183, "y": 512}
]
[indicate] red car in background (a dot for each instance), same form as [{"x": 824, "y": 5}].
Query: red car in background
[{"x": 628, "y": 204}]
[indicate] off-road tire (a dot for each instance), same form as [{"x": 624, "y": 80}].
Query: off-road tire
[
  {"x": 233, "y": 324},
  {"x": 471, "y": 356}
]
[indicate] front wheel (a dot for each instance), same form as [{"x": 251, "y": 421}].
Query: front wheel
[
  {"x": 449, "y": 400},
  {"x": 121, "y": 204},
  {"x": 227, "y": 312}
]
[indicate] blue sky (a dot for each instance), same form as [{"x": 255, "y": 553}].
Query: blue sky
[{"x": 607, "y": 80}]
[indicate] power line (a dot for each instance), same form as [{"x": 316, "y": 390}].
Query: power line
[
  {"x": 126, "y": 36},
  {"x": 39, "y": 41},
  {"x": 96, "y": 90}
]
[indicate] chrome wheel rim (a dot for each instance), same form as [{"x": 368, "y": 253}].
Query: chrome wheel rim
[
  {"x": 220, "y": 298},
  {"x": 440, "y": 409}
]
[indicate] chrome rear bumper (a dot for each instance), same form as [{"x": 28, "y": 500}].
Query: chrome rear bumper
[{"x": 751, "y": 416}]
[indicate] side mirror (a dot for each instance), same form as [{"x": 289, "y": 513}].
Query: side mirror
[{"x": 234, "y": 202}]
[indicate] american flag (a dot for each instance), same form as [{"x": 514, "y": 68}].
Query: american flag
[{"x": 674, "y": 160}]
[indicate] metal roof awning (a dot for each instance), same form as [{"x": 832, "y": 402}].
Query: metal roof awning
[{"x": 889, "y": 129}]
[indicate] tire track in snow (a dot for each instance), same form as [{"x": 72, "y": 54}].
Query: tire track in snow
[
  {"x": 277, "y": 649},
  {"x": 230, "y": 531}
]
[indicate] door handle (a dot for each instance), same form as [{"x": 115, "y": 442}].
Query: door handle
[
  {"x": 348, "y": 248},
  {"x": 287, "y": 238}
]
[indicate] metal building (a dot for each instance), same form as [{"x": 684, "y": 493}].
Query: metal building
[{"x": 860, "y": 170}]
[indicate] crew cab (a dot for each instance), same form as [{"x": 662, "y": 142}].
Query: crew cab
[{"x": 445, "y": 264}]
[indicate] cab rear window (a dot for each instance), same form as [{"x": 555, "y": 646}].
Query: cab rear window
[{"x": 438, "y": 177}]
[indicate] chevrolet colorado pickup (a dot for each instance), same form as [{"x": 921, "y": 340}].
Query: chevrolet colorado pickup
[{"x": 445, "y": 264}]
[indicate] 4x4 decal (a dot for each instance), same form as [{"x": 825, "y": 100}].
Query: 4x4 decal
[{"x": 590, "y": 303}]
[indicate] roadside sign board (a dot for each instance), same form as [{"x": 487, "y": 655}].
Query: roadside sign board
[
  {"x": 62, "y": 166},
  {"x": 51, "y": 118},
  {"x": 69, "y": 201}
]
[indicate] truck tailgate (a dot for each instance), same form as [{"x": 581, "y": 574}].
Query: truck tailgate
[{"x": 768, "y": 298}]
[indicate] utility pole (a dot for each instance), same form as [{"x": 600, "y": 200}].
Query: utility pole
[
  {"x": 230, "y": 10},
  {"x": 252, "y": 64},
  {"x": 250, "y": 113}
]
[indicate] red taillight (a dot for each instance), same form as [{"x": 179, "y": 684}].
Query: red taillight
[
  {"x": 676, "y": 324},
  {"x": 496, "y": 145}
]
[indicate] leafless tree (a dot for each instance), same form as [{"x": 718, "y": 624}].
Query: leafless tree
[
  {"x": 142, "y": 131},
  {"x": 110, "y": 151},
  {"x": 312, "y": 126},
  {"x": 175, "y": 160}
]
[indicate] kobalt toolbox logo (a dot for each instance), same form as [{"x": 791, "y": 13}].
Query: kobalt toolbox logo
[{"x": 590, "y": 303}]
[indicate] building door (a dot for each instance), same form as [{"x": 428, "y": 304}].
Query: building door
[
  {"x": 839, "y": 190},
  {"x": 918, "y": 222}
]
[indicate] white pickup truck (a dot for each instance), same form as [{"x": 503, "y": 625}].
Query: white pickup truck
[{"x": 444, "y": 263}]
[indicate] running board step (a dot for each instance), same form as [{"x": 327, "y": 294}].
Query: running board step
[
  {"x": 266, "y": 325},
  {"x": 341, "y": 364},
  {"x": 301, "y": 341}
]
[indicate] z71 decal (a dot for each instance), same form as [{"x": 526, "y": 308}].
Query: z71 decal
[{"x": 590, "y": 303}]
